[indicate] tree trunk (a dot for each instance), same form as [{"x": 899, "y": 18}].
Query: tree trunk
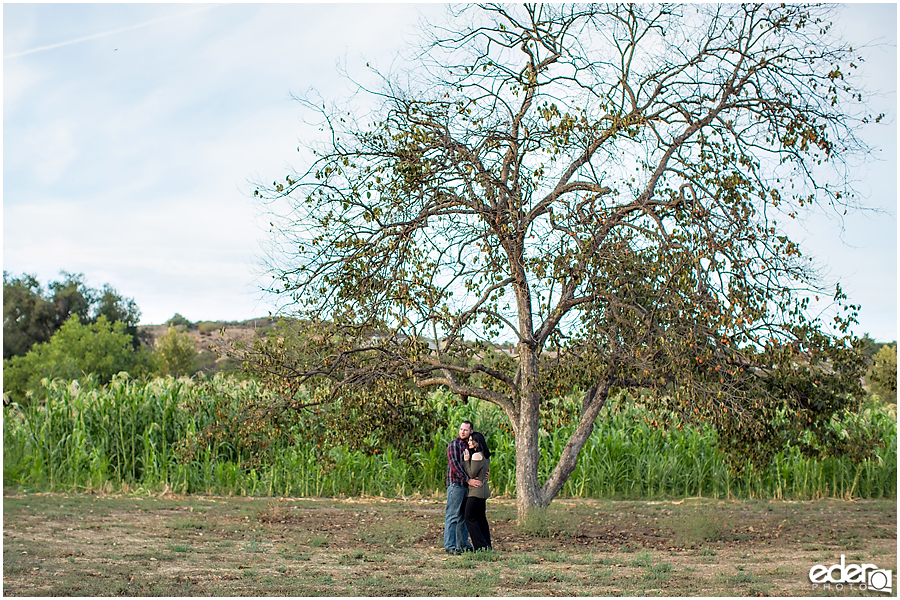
[
  {"x": 528, "y": 451},
  {"x": 528, "y": 488},
  {"x": 594, "y": 399},
  {"x": 530, "y": 495}
]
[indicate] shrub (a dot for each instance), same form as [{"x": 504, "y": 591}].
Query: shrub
[
  {"x": 208, "y": 326},
  {"x": 174, "y": 353},
  {"x": 883, "y": 373},
  {"x": 179, "y": 323},
  {"x": 75, "y": 351}
]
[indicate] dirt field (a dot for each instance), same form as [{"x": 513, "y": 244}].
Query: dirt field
[{"x": 92, "y": 545}]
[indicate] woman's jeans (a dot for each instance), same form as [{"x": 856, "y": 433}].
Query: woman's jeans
[
  {"x": 476, "y": 522},
  {"x": 455, "y": 533}
]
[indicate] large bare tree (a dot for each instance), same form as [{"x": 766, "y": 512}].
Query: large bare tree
[{"x": 606, "y": 186}]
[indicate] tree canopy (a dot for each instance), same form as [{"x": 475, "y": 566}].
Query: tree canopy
[
  {"x": 607, "y": 185},
  {"x": 883, "y": 372},
  {"x": 100, "y": 349},
  {"x": 175, "y": 353},
  {"x": 32, "y": 314}
]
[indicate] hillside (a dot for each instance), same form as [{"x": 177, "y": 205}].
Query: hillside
[{"x": 210, "y": 333}]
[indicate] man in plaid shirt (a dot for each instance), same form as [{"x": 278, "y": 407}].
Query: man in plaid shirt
[{"x": 456, "y": 536}]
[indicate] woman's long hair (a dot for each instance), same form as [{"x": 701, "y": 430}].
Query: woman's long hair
[{"x": 482, "y": 443}]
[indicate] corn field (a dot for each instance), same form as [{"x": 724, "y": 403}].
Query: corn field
[{"x": 131, "y": 436}]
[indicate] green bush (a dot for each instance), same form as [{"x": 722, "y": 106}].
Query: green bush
[
  {"x": 33, "y": 313},
  {"x": 209, "y": 326},
  {"x": 102, "y": 349},
  {"x": 205, "y": 362},
  {"x": 883, "y": 373},
  {"x": 179, "y": 322},
  {"x": 174, "y": 353}
]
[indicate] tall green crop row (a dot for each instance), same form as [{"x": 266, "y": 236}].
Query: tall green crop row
[
  {"x": 193, "y": 436},
  {"x": 86, "y": 436},
  {"x": 158, "y": 435}
]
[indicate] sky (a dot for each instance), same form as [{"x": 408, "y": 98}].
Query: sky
[{"x": 133, "y": 135}]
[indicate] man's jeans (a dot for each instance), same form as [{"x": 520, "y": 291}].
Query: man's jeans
[{"x": 455, "y": 533}]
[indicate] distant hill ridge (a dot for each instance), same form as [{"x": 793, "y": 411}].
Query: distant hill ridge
[{"x": 205, "y": 333}]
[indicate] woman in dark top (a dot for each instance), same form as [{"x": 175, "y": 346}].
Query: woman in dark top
[{"x": 477, "y": 464}]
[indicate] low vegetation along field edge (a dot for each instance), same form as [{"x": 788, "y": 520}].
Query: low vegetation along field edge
[{"x": 194, "y": 437}]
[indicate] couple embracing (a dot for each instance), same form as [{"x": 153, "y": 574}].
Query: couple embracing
[{"x": 468, "y": 465}]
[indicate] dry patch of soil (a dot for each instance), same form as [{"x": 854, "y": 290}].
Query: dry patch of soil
[{"x": 97, "y": 545}]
